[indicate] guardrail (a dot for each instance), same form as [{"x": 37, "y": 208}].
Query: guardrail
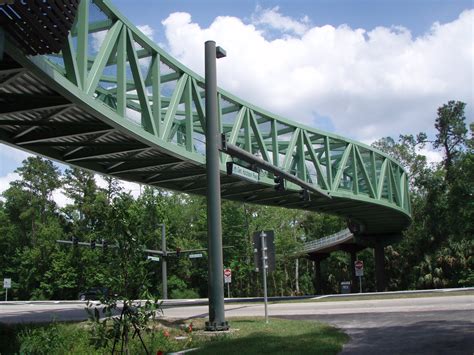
[{"x": 330, "y": 239}]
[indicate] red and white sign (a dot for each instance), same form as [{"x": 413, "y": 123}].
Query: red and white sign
[
  {"x": 359, "y": 267},
  {"x": 227, "y": 276}
]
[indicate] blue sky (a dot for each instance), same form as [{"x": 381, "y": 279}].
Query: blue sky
[
  {"x": 363, "y": 69},
  {"x": 417, "y": 15}
]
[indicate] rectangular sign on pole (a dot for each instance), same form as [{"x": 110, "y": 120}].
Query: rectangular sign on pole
[
  {"x": 195, "y": 256},
  {"x": 153, "y": 258},
  {"x": 240, "y": 171},
  {"x": 7, "y": 283},
  {"x": 269, "y": 252}
]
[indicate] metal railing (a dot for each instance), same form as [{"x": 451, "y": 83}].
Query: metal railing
[{"x": 329, "y": 240}]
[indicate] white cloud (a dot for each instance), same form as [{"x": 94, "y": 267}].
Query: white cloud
[
  {"x": 274, "y": 20},
  {"x": 432, "y": 156},
  {"x": 99, "y": 37},
  {"x": 61, "y": 199},
  {"x": 6, "y": 180},
  {"x": 130, "y": 187},
  {"x": 370, "y": 83},
  {"x": 147, "y": 30}
]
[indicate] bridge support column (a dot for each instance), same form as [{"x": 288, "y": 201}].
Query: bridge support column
[
  {"x": 379, "y": 265},
  {"x": 318, "y": 279}
]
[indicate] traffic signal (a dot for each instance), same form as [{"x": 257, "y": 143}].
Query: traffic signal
[
  {"x": 279, "y": 183},
  {"x": 304, "y": 195},
  {"x": 93, "y": 244},
  {"x": 75, "y": 241},
  {"x": 178, "y": 252},
  {"x": 105, "y": 245}
]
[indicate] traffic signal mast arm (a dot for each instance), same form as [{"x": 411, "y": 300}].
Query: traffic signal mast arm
[
  {"x": 150, "y": 251},
  {"x": 242, "y": 154}
]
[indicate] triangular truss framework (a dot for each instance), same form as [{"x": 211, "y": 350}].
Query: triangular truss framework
[{"x": 139, "y": 82}]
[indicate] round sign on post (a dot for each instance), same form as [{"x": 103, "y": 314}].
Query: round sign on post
[
  {"x": 359, "y": 268},
  {"x": 227, "y": 276}
]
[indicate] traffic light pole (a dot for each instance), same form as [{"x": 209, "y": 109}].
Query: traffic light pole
[
  {"x": 164, "y": 270},
  {"x": 214, "y": 224}
]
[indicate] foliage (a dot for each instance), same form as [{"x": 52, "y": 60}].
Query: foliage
[
  {"x": 54, "y": 339},
  {"x": 111, "y": 333},
  {"x": 438, "y": 249}
]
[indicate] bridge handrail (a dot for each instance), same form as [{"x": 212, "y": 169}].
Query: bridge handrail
[{"x": 330, "y": 239}]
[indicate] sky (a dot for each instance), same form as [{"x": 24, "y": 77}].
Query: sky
[{"x": 363, "y": 69}]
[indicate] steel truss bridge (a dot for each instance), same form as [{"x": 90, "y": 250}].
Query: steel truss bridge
[{"x": 113, "y": 102}]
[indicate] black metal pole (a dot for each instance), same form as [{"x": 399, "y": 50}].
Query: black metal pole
[
  {"x": 164, "y": 271},
  {"x": 214, "y": 226}
]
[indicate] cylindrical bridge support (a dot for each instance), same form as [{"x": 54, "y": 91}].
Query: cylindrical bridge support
[
  {"x": 379, "y": 265},
  {"x": 318, "y": 279}
]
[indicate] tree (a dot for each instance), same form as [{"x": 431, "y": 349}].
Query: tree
[
  {"x": 30, "y": 197},
  {"x": 452, "y": 132},
  {"x": 442, "y": 204}
]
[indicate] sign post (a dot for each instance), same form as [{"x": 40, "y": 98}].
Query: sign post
[
  {"x": 264, "y": 257},
  {"x": 7, "y": 283},
  {"x": 263, "y": 236},
  {"x": 359, "y": 271},
  {"x": 228, "y": 280}
]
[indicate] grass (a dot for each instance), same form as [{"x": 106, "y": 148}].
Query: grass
[
  {"x": 246, "y": 336},
  {"x": 279, "y": 336}
]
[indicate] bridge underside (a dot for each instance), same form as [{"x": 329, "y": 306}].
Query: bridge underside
[{"x": 35, "y": 118}]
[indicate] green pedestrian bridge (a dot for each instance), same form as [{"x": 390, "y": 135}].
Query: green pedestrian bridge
[{"x": 83, "y": 86}]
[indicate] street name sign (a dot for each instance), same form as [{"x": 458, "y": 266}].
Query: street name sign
[
  {"x": 240, "y": 171},
  {"x": 195, "y": 256}
]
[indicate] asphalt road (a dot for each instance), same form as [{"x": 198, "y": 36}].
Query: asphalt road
[{"x": 430, "y": 325}]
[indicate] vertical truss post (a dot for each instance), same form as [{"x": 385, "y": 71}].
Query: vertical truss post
[
  {"x": 156, "y": 89},
  {"x": 122, "y": 74},
  {"x": 214, "y": 225},
  {"x": 189, "y": 122},
  {"x": 301, "y": 163},
  {"x": 82, "y": 40},
  {"x": 274, "y": 135}
]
